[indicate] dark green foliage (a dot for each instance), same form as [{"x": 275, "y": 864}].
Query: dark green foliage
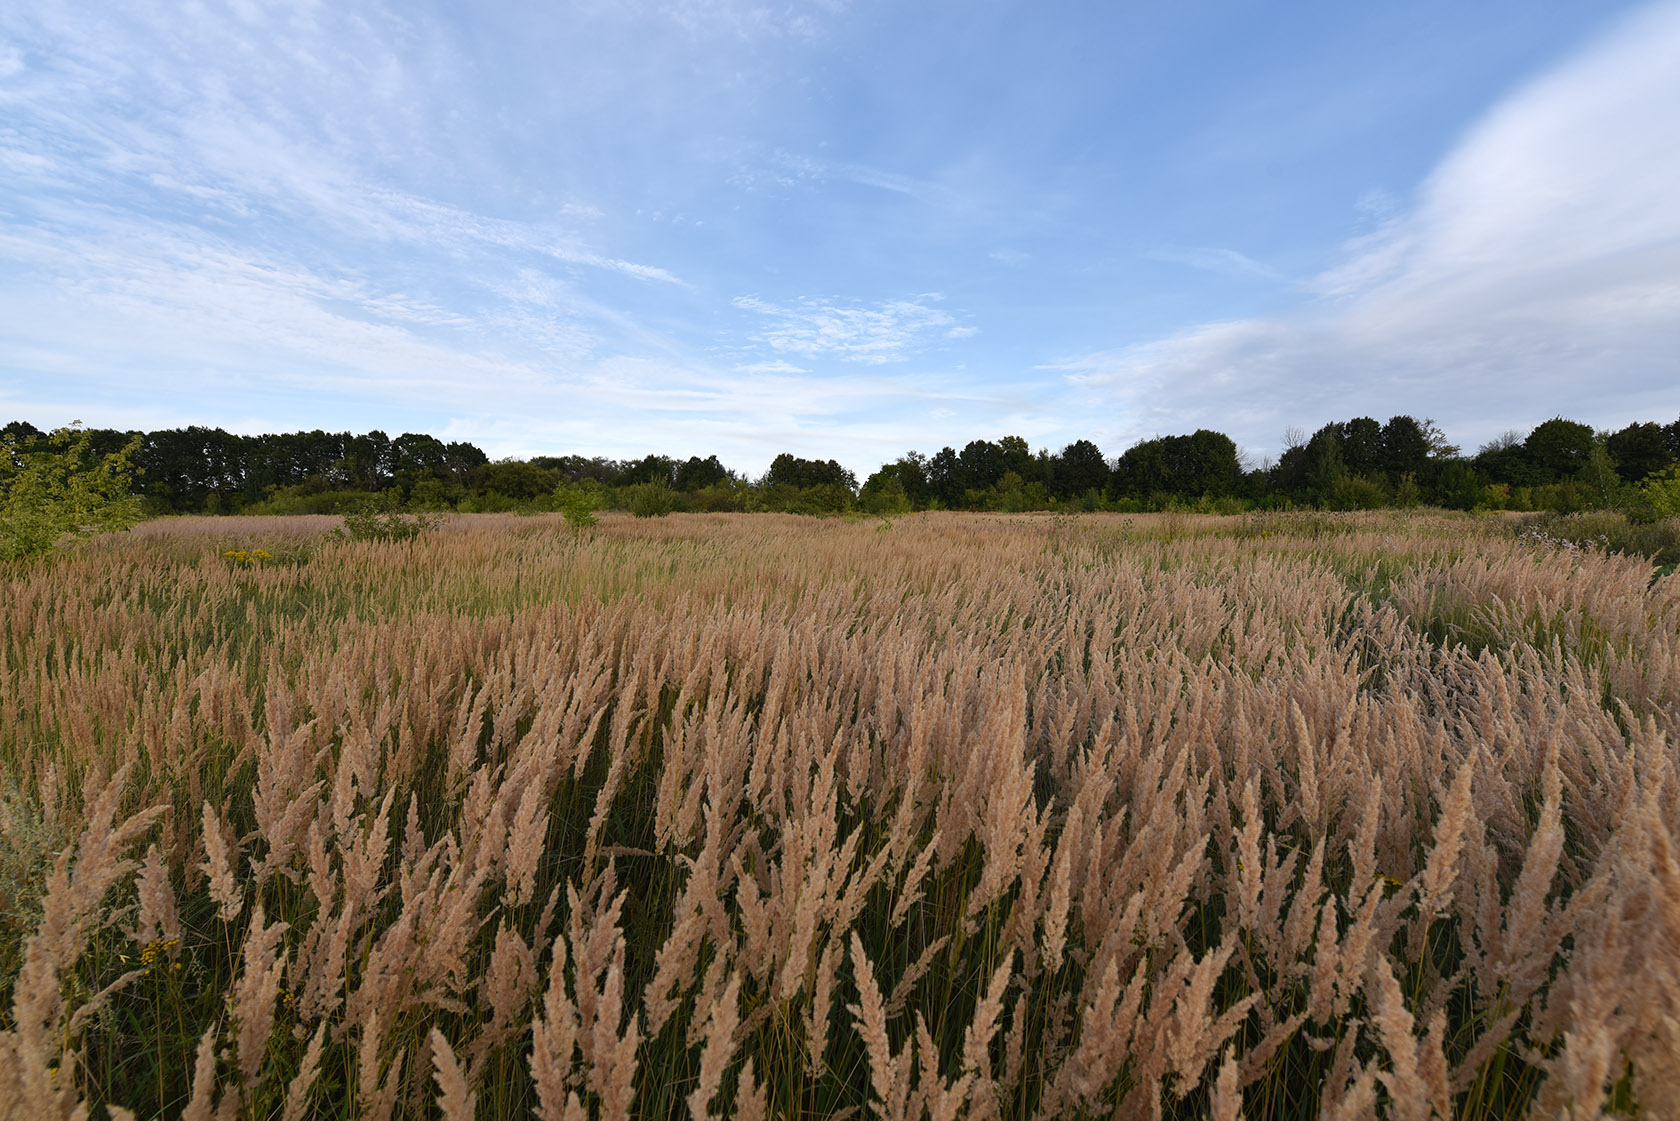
[
  {"x": 1639, "y": 450},
  {"x": 1561, "y": 466},
  {"x": 1559, "y": 449},
  {"x": 898, "y": 486},
  {"x": 792, "y": 471},
  {"x": 697, "y": 473},
  {"x": 512, "y": 478},
  {"x": 1080, "y": 467},
  {"x": 1203, "y": 464}
]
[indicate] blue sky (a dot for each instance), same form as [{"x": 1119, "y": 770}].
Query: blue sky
[{"x": 838, "y": 228}]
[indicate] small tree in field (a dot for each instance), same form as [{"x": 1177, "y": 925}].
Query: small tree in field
[
  {"x": 61, "y": 493},
  {"x": 577, "y": 505}
]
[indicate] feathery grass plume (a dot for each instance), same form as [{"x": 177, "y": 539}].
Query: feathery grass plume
[
  {"x": 219, "y": 867},
  {"x": 554, "y": 1035},
  {"x": 1056, "y": 908},
  {"x": 822, "y": 1004},
  {"x": 1355, "y": 1102},
  {"x": 752, "y": 1100},
  {"x": 1393, "y": 1021},
  {"x": 941, "y": 1100},
  {"x": 505, "y": 989},
  {"x": 673, "y": 968},
  {"x": 298, "y": 1089},
  {"x": 156, "y": 921},
  {"x": 1441, "y": 870},
  {"x": 612, "y": 1069},
  {"x": 455, "y": 1101},
  {"x": 526, "y": 837},
  {"x": 1227, "y": 1101},
  {"x": 256, "y": 992},
  {"x": 722, "y": 1018},
  {"x": 201, "y": 1106},
  {"x": 1192, "y": 1036},
  {"x": 870, "y": 1016},
  {"x": 907, "y": 981},
  {"x": 977, "y": 1040}
]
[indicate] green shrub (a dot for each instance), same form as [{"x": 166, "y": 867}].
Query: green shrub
[
  {"x": 1356, "y": 492},
  {"x": 824, "y": 498},
  {"x": 730, "y": 496},
  {"x": 307, "y": 499},
  {"x": 649, "y": 500},
  {"x": 380, "y": 520},
  {"x": 61, "y": 493},
  {"x": 577, "y": 503},
  {"x": 1661, "y": 493}
]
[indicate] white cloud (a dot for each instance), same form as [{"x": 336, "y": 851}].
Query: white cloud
[
  {"x": 1537, "y": 272},
  {"x": 873, "y": 335}
]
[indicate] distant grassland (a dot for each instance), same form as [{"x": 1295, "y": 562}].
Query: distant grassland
[{"x": 954, "y": 816}]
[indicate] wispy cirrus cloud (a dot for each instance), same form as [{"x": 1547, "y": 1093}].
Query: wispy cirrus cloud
[
  {"x": 783, "y": 169},
  {"x": 1226, "y": 262},
  {"x": 1538, "y": 271},
  {"x": 872, "y": 334},
  {"x": 125, "y": 127}
]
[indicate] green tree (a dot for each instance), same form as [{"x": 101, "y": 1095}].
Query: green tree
[
  {"x": 1560, "y": 449},
  {"x": 1639, "y": 450},
  {"x": 697, "y": 473},
  {"x": 57, "y": 491},
  {"x": 578, "y": 502},
  {"x": 1080, "y": 467}
]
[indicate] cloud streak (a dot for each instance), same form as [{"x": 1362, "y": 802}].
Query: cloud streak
[{"x": 873, "y": 335}]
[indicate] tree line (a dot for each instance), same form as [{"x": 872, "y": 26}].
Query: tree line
[{"x": 1561, "y": 465}]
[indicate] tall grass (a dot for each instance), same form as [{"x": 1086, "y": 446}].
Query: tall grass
[{"x": 723, "y": 816}]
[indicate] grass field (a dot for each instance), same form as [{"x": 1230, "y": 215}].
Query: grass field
[{"x": 753, "y": 815}]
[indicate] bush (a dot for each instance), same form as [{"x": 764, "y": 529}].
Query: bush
[
  {"x": 381, "y": 521},
  {"x": 434, "y": 494},
  {"x": 62, "y": 493},
  {"x": 1661, "y": 493},
  {"x": 1357, "y": 492},
  {"x": 824, "y": 498},
  {"x": 306, "y": 499},
  {"x": 728, "y": 496},
  {"x": 577, "y": 504},
  {"x": 649, "y": 500}
]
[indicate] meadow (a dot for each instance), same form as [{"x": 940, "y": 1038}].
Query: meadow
[{"x": 957, "y": 815}]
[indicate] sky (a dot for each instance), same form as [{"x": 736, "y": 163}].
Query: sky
[{"x": 840, "y": 228}]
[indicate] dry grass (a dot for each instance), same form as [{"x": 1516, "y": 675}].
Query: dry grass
[{"x": 766, "y": 816}]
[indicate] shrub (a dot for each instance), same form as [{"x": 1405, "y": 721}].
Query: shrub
[
  {"x": 577, "y": 504},
  {"x": 304, "y": 498},
  {"x": 380, "y": 520},
  {"x": 1357, "y": 492},
  {"x": 824, "y": 498},
  {"x": 649, "y": 500},
  {"x": 1661, "y": 493},
  {"x": 62, "y": 492}
]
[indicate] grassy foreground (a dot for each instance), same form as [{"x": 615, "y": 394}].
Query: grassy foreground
[{"x": 965, "y": 815}]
